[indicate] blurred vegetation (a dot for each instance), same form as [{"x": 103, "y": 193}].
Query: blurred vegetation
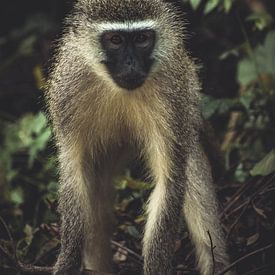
[{"x": 234, "y": 45}]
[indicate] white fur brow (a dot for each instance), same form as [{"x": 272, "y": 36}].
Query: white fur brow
[{"x": 125, "y": 26}]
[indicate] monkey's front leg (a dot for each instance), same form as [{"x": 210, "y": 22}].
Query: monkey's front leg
[
  {"x": 164, "y": 212},
  {"x": 74, "y": 208}
]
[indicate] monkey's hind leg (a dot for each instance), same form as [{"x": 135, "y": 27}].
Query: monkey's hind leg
[{"x": 201, "y": 214}]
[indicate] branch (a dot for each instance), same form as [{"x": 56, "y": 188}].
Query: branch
[
  {"x": 135, "y": 255},
  {"x": 15, "y": 263},
  {"x": 245, "y": 257},
  {"x": 212, "y": 252},
  {"x": 10, "y": 236}
]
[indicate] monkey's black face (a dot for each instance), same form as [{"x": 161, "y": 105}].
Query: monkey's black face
[{"x": 128, "y": 56}]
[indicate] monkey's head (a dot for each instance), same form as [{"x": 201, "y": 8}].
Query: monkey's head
[
  {"x": 128, "y": 55},
  {"x": 126, "y": 42}
]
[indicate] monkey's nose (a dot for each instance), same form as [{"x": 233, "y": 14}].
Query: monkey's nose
[{"x": 130, "y": 62}]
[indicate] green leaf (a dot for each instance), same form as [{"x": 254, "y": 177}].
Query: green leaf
[
  {"x": 133, "y": 231},
  {"x": 261, "y": 19},
  {"x": 247, "y": 98},
  {"x": 262, "y": 62},
  {"x": 240, "y": 173},
  {"x": 28, "y": 230},
  {"x": 39, "y": 144},
  {"x": 30, "y": 134},
  {"x": 266, "y": 166},
  {"x": 27, "y": 45},
  {"x": 265, "y": 55},
  {"x": 17, "y": 196},
  {"x": 227, "y": 4},
  {"x": 211, "y": 5},
  {"x": 246, "y": 72},
  {"x": 195, "y": 3},
  {"x": 231, "y": 52},
  {"x": 211, "y": 106},
  {"x": 39, "y": 122}
]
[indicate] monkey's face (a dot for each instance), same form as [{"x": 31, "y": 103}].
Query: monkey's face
[{"x": 128, "y": 56}]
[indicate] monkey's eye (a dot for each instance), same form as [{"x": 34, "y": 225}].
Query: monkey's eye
[
  {"x": 112, "y": 40},
  {"x": 144, "y": 39},
  {"x": 141, "y": 38},
  {"x": 116, "y": 39}
]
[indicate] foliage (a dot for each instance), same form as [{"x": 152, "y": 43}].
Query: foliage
[
  {"x": 211, "y": 5},
  {"x": 266, "y": 166},
  {"x": 254, "y": 129}
]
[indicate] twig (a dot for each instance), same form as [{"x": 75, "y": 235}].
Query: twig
[
  {"x": 21, "y": 266},
  {"x": 236, "y": 196},
  {"x": 24, "y": 267},
  {"x": 117, "y": 244},
  {"x": 254, "y": 271},
  {"x": 238, "y": 219},
  {"x": 212, "y": 252},
  {"x": 258, "y": 189},
  {"x": 7, "y": 255},
  {"x": 10, "y": 237},
  {"x": 245, "y": 257},
  {"x": 243, "y": 204},
  {"x": 29, "y": 268}
]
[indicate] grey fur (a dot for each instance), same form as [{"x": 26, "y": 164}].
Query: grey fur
[{"x": 98, "y": 127}]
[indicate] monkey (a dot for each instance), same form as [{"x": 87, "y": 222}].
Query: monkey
[{"x": 123, "y": 87}]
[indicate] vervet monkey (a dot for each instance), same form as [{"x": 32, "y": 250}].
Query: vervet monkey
[{"x": 123, "y": 86}]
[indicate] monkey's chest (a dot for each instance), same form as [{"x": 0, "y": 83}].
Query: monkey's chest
[{"x": 126, "y": 121}]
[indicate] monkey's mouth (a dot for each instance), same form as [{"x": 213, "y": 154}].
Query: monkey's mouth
[{"x": 130, "y": 82}]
